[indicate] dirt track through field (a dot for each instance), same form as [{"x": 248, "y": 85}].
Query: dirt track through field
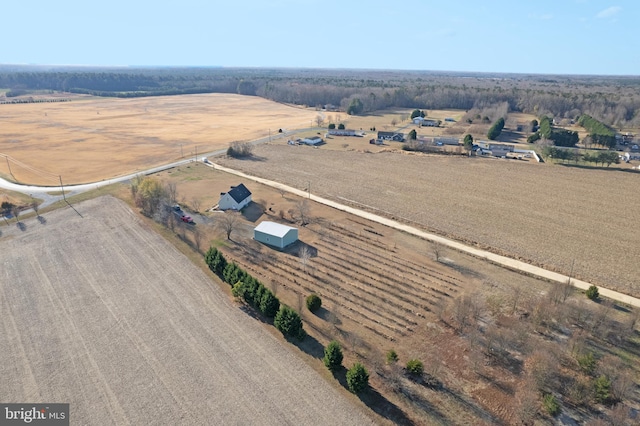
[{"x": 104, "y": 314}]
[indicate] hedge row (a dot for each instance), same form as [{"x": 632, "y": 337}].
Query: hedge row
[{"x": 255, "y": 294}]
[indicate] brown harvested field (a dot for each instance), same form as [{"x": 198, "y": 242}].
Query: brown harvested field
[
  {"x": 548, "y": 214},
  {"x": 90, "y": 139},
  {"x": 103, "y": 313}
]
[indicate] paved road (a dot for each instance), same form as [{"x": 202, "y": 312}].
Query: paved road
[{"x": 492, "y": 257}]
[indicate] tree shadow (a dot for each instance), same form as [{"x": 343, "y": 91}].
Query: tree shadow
[
  {"x": 21, "y": 226},
  {"x": 310, "y": 346},
  {"x": 322, "y": 313},
  {"x": 42, "y": 220},
  {"x": 385, "y": 408}
]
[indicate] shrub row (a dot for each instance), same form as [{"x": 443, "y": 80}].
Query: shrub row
[{"x": 255, "y": 294}]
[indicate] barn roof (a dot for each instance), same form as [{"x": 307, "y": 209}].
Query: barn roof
[
  {"x": 239, "y": 193},
  {"x": 272, "y": 228}
]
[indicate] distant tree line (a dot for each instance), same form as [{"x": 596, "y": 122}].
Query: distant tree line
[{"x": 614, "y": 101}]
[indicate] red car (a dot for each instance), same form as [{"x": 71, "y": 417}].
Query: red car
[{"x": 186, "y": 218}]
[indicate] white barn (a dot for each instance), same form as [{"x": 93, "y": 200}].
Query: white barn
[
  {"x": 275, "y": 234},
  {"x": 238, "y": 197}
]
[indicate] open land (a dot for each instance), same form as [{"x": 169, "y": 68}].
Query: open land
[
  {"x": 383, "y": 289},
  {"x": 550, "y": 215},
  {"x": 103, "y": 313},
  {"x": 90, "y": 139}
]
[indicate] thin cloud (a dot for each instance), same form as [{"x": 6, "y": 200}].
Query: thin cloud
[{"x": 609, "y": 12}]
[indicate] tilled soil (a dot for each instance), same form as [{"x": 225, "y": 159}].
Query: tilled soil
[{"x": 101, "y": 312}]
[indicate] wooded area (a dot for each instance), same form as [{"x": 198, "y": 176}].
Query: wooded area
[{"x": 613, "y": 100}]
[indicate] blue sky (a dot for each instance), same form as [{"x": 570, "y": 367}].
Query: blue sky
[{"x": 541, "y": 36}]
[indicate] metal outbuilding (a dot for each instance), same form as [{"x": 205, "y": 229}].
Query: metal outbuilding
[{"x": 275, "y": 234}]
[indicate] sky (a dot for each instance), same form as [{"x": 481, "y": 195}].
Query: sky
[{"x": 511, "y": 36}]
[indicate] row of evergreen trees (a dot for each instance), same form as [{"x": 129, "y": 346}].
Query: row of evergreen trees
[
  {"x": 600, "y": 133},
  {"x": 253, "y": 292}
]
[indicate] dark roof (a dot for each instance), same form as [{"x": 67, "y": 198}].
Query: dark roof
[{"x": 239, "y": 193}]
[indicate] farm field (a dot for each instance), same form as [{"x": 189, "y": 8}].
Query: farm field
[
  {"x": 103, "y": 313},
  {"x": 550, "y": 215},
  {"x": 90, "y": 139},
  {"x": 382, "y": 289}
]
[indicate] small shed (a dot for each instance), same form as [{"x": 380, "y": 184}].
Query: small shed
[
  {"x": 275, "y": 234},
  {"x": 238, "y": 197}
]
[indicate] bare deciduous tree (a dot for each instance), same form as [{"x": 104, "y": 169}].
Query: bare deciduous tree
[
  {"x": 334, "y": 316},
  {"x": 282, "y": 192},
  {"x": 527, "y": 405},
  {"x": 172, "y": 192},
  {"x": 438, "y": 251},
  {"x": 304, "y": 254},
  {"x": 195, "y": 203},
  {"x": 228, "y": 222},
  {"x": 319, "y": 120},
  {"x": 302, "y": 212}
]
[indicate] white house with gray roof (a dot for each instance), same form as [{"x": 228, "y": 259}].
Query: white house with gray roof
[{"x": 237, "y": 197}]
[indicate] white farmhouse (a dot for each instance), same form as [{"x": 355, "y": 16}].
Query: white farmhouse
[{"x": 237, "y": 197}]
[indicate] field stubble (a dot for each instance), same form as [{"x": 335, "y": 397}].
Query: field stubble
[
  {"x": 104, "y": 314},
  {"x": 552, "y": 216}
]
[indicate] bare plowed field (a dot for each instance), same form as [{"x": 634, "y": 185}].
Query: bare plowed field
[
  {"x": 88, "y": 140},
  {"x": 552, "y": 216},
  {"x": 101, "y": 312}
]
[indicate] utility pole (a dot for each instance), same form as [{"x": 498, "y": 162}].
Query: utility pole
[
  {"x": 309, "y": 188},
  {"x": 181, "y": 152},
  {"x": 196, "y": 154},
  {"x": 62, "y": 187}
]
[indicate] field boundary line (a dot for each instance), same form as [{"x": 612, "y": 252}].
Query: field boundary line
[{"x": 503, "y": 261}]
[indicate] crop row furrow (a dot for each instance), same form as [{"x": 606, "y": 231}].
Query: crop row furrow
[
  {"x": 280, "y": 268},
  {"x": 411, "y": 287},
  {"x": 365, "y": 257}
]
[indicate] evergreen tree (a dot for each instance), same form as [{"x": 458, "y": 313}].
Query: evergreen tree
[
  {"x": 333, "y": 356},
  {"x": 357, "y": 378}
]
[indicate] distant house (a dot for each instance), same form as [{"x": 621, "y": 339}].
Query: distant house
[
  {"x": 342, "y": 132},
  {"x": 446, "y": 141},
  {"x": 275, "y": 234},
  {"x": 426, "y": 122},
  {"x": 391, "y": 136},
  {"x": 237, "y": 197},
  {"x": 313, "y": 140}
]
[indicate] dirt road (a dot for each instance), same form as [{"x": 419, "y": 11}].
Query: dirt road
[
  {"x": 492, "y": 257},
  {"x": 101, "y": 312}
]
